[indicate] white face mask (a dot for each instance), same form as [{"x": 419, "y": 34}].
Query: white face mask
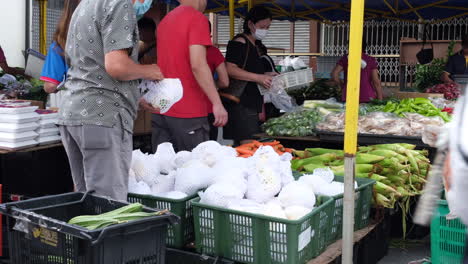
[{"x": 260, "y": 34}]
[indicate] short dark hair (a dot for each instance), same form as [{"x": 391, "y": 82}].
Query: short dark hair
[
  {"x": 465, "y": 41},
  {"x": 254, "y": 15},
  {"x": 146, "y": 23}
]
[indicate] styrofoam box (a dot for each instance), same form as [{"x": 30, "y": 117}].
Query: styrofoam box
[
  {"x": 9, "y": 109},
  {"x": 19, "y": 118},
  {"x": 17, "y": 137},
  {"x": 47, "y": 123},
  {"x": 15, "y": 102},
  {"x": 47, "y": 114},
  {"x": 49, "y": 140},
  {"x": 18, "y": 128},
  {"x": 45, "y": 132},
  {"x": 17, "y": 145}
]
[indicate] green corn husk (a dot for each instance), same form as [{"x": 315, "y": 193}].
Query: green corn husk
[
  {"x": 383, "y": 201},
  {"x": 364, "y": 149},
  {"x": 417, "y": 179},
  {"x": 311, "y": 167},
  {"x": 397, "y": 180},
  {"x": 360, "y": 168},
  {"x": 392, "y": 163},
  {"x": 363, "y": 158},
  {"x": 385, "y": 189},
  {"x": 412, "y": 161},
  {"x": 389, "y": 154},
  {"x": 404, "y": 192},
  {"x": 321, "y": 151},
  {"x": 373, "y": 176},
  {"x": 321, "y": 158},
  {"x": 407, "y": 146},
  {"x": 423, "y": 152},
  {"x": 395, "y": 147},
  {"x": 338, "y": 162}
]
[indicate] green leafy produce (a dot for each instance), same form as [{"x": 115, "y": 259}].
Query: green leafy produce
[
  {"x": 297, "y": 124},
  {"x": 320, "y": 89},
  {"x": 422, "y": 106},
  {"x": 124, "y": 214}
]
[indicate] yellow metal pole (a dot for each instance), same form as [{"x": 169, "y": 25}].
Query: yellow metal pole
[
  {"x": 351, "y": 128},
  {"x": 251, "y": 3},
  {"x": 43, "y": 26},
  {"x": 231, "y": 18}
]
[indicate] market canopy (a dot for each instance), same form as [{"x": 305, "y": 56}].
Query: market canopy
[{"x": 339, "y": 10}]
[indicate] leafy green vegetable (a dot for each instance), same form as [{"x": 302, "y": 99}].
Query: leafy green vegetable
[{"x": 297, "y": 124}]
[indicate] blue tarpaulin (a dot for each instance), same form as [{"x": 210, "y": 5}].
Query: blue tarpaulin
[{"x": 339, "y": 10}]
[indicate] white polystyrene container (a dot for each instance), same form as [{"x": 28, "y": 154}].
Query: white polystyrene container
[
  {"x": 8, "y": 109},
  {"x": 17, "y": 137},
  {"x": 15, "y": 102},
  {"x": 47, "y": 123},
  {"x": 47, "y": 114},
  {"x": 18, "y": 145},
  {"x": 18, "y": 128},
  {"x": 45, "y": 132},
  {"x": 19, "y": 118},
  {"x": 49, "y": 140}
]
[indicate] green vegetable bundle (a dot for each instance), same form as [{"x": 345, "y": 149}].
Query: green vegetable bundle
[
  {"x": 320, "y": 89},
  {"x": 124, "y": 214},
  {"x": 297, "y": 124},
  {"x": 422, "y": 106}
]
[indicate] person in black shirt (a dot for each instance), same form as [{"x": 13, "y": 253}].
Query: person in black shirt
[
  {"x": 244, "y": 64},
  {"x": 457, "y": 64}
]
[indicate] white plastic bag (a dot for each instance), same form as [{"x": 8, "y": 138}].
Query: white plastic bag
[
  {"x": 165, "y": 156},
  {"x": 173, "y": 195},
  {"x": 162, "y": 94},
  {"x": 285, "y": 169},
  {"x": 181, "y": 158},
  {"x": 144, "y": 166},
  {"x": 192, "y": 177},
  {"x": 316, "y": 182},
  {"x": 220, "y": 194},
  {"x": 296, "y": 212},
  {"x": 211, "y": 152},
  {"x": 233, "y": 176},
  {"x": 297, "y": 193},
  {"x": 163, "y": 184},
  {"x": 245, "y": 205}
]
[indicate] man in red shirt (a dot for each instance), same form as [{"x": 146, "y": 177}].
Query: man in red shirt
[{"x": 183, "y": 37}]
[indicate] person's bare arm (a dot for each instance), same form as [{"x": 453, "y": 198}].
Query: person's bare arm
[
  {"x": 204, "y": 77},
  {"x": 50, "y": 87},
  {"x": 377, "y": 84},
  {"x": 446, "y": 77},
  {"x": 335, "y": 74},
  {"x": 10, "y": 70},
  {"x": 223, "y": 78},
  {"x": 121, "y": 67}
]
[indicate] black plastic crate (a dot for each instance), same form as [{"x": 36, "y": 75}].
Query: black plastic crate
[{"x": 38, "y": 232}]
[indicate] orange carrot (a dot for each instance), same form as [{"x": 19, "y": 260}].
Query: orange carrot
[
  {"x": 273, "y": 143},
  {"x": 245, "y": 156},
  {"x": 244, "y": 151},
  {"x": 288, "y": 150}
]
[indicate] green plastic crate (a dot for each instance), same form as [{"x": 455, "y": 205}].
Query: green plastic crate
[
  {"x": 177, "y": 235},
  {"x": 362, "y": 206},
  {"x": 448, "y": 237},
  {"x": 259, "y": 239}
]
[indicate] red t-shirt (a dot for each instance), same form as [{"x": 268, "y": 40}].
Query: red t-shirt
[
  {"x": 180, "y": 29},
  {"x": 214, "y": 58},
  {"x": 2, "y": 56}
]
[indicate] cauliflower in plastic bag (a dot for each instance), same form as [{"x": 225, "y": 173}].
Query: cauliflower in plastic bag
[
  {"x": 162, "y": 94},
  {"x": 164, "y": 156},
  {"x": 181, "y": 158},
  {"x": 211, "y": 152},
  {"x": 139, "y": 188},
  {"x": 144, "y": 167},
  {"x": 192, "y": 177},
  {"x": 163, "y": 183},
  {"x": 296, "y": 212},
  {"x": 325, "y": 173},
  {"x": 273, "y": 208},
  {"x": 220, "y": 194},
  {"x": 173, "y": 195},
  {"x": 233, "y": 176},
  {"x": 297, "y": 193},
  {"x": 264, "y": 180},
  {"x": 285, "y": 169},
  {"x": 334, "y": 188},
  {"x": 245, "y": 205},
  {"x": 315, "y": 182}
]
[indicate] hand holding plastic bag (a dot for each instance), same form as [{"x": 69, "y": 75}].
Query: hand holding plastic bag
[{"x": 162, "y": 94}]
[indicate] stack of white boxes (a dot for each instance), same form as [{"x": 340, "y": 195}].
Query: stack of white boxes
[
  {"x": 48, "y": 130},
  {"x": 18, "y": 122}
]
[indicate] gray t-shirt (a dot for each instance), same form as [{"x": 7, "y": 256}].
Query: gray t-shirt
[{"x": 92, "y": 96}]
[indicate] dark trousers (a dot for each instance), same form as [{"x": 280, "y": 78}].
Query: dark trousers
[{"x": 183, "y": 133}]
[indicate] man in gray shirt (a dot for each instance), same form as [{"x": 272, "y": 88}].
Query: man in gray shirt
[{"x": 100, "y": 105}]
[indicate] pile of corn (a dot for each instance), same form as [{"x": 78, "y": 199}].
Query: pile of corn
[
  {"x": 124, "y": 214},
  {"x": 399, "y": 170}
]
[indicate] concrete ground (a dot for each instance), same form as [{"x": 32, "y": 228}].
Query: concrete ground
[{"x": 411, "y": 252}]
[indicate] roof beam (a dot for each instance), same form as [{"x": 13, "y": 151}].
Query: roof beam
[{"x": 390, "y": 6}]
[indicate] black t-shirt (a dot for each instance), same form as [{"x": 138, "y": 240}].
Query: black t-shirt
[
  {"x": 456, "y": 64},
  {"x": 236, "y": 54}
]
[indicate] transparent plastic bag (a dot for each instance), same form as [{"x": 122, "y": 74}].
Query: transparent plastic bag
[
  {"x": 162, "y": 94},
  {"x": 297, "y": 193}
]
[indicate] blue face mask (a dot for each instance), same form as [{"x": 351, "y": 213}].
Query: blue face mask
[{"x": 141, "y": 8}]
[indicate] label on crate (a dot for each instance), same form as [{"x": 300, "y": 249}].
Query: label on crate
[
  {"x": 45, "y": 237},
  {"x": 305, "y": 238}
]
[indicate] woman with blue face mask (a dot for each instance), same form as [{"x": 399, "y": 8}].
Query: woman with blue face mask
[{"x": 246, "y": 70}]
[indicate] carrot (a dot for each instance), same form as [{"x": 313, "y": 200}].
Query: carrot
[
  {"x": 288, "y": 150},
  {"x": 245, "y": 156},
  {"x": 257, "y": 144},
  {"x": 273, "y": 143},
  {"x": 244, "y": 151}
]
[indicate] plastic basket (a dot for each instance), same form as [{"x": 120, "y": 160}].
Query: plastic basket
[
  {"x": 38, "y": 232},
  {"x": 178, "y": 235},
  {"x": 252, "y": 238},
  {"x": 448, "y": 237},
  {"x": 294, "y": 79},
  {"x": 362, "y": 206}
]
